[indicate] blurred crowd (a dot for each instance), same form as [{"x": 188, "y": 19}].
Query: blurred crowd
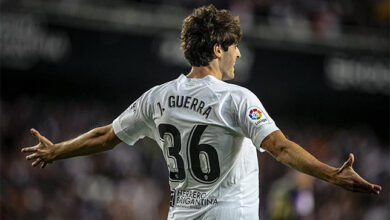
[
  {"x": 349, "y": 12},
  {"x": 131, "y": 182},
  {"x": 370, "y": 13}
]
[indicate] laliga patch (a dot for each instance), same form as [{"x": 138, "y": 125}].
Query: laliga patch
[{"x": 256, "y": 117}]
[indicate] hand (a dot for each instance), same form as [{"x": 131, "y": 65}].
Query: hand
[
  {"x": 42, "y": 152},
  {"x": 347, "y": 178}
]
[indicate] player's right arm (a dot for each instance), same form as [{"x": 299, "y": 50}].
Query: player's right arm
[
  {"x": 94, "y": 141},
  {"x": 258, "y": 125},
  {"x": 291, "y": 154}
]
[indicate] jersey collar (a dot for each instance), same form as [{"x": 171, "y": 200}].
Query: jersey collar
[{"x": 208, "y": 78}]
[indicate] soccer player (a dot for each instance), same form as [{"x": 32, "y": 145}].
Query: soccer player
[{"x": 207, "y": 129}]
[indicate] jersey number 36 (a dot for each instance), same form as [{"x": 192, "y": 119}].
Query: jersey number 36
[{"x": 194, "y": 151}]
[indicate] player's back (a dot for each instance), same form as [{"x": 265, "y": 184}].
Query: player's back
[
  {"x": 202, "y": 127},
  {"x": 212, "y": 167}
]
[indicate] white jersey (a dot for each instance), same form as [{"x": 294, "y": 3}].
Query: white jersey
[{"x": 208, "y": 131}]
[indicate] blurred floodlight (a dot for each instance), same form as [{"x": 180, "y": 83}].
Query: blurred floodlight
[
  {"x": 169, "y": 50},
  {"x": 368, "y": 74},
  {"x": 24, "y": 41}
]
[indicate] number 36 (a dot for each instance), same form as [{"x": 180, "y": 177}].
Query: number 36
[{"x": 194, "y": 150}]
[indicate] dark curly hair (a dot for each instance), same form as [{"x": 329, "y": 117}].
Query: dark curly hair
[{"x": 204, "y": 28}]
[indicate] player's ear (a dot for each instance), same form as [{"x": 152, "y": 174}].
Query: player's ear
[{"x": 217, "y": 50}]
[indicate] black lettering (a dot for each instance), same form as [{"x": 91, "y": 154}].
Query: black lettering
[
  {"x": 171, "y": 102},
  {"x": 161, "y": 109},
  {"x": 207, "y": 112},
  {"x": 187, "y": 101},
  {"x": 181, "y": 101},
  {"x": 194, "y": 103},
  {"x": 200, "y": 107}
]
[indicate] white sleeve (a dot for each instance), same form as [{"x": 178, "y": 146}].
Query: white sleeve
[
  {"x": 253, "y": 119},
  {"x": 132, "y": 124}
]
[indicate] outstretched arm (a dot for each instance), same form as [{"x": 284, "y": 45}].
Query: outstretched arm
[
  {"x": 291, "y": 154},
  {"x": 94, "y": 141}
]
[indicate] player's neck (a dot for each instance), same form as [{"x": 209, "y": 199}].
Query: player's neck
[{"x": 203, "y": 71}]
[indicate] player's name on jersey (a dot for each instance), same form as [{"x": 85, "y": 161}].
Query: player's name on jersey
[
  {"x": 191, "y": 103},
  {"x": 192, "y": 199}
]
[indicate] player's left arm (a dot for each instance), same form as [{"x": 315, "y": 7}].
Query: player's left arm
[{"x": 291, "y": 154}]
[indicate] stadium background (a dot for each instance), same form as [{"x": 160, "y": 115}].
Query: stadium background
[{"x": 320, "y": 67}]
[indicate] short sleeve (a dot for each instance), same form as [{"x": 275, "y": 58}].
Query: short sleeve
[
  {"x": 253, "y": 119},
  {"x": 132, "y": 124}
]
